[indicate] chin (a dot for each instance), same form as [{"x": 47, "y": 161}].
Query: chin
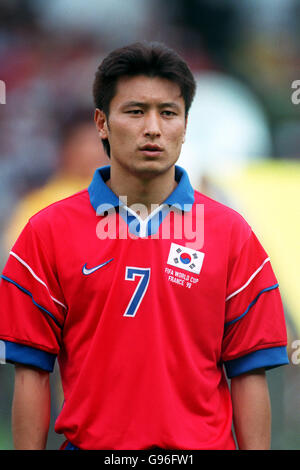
[{"x": 151, "y": 168}]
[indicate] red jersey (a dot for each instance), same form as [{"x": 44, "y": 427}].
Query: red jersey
[{"x": 146, "y": 317}]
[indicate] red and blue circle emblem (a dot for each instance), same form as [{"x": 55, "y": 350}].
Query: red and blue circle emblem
[{"x": 185, "y": 258}]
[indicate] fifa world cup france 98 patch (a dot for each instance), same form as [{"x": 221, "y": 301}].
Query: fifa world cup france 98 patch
[{"x": 187, "y": 259}]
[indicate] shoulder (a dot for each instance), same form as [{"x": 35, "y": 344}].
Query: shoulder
[
  {"x": 223, "y": 224},
  {"x": 60, "y": 213},
  {"x": 221, "y": 213}
]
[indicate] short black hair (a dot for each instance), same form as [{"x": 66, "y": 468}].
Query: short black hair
[{"x": 152, "y": 59}]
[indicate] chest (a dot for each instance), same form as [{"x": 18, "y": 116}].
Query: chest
[{"x": 127, "y": 274}]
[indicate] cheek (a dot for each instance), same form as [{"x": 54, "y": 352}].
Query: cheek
[
  {"x": 176, "y": 138},
  {"x": 121, "y": 135}
]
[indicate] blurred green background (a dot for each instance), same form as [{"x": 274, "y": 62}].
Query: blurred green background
[{"x": 242, "y": 144}]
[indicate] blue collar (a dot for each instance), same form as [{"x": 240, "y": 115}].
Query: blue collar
[{"x": 101, "y": 196}]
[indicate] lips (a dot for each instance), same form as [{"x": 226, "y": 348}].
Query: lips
[{"x": 151, "y": 149}]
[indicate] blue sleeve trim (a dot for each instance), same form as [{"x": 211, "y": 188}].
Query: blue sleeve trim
[
  {"x": 16, "y": 352},
  {"x": 33, "y": 301},
  {"x": 251, "y": 304},
  {"x": 263, "y": 358},
  {"x": 71, "y": 446}
]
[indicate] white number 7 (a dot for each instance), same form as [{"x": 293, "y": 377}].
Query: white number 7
[{"x": 140, "y": 290}]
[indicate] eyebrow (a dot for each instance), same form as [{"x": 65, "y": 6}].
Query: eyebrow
[{"x": 142, "y": 104}]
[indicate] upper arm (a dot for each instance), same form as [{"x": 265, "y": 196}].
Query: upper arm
[
  {"x": 32, "y": 308},
  {"x": 254, "y": 331}
]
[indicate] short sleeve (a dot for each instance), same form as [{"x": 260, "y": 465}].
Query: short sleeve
[
  {"x": 255, "y": 330},
  {"x": 32, "y": 308}
]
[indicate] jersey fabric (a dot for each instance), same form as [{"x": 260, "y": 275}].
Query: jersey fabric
[{"x": 144, "y": 320}]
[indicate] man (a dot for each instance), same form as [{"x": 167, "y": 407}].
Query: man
[{"x": 147, "y": 291}]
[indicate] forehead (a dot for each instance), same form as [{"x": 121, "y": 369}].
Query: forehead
[{"x": 141, "y": 88}]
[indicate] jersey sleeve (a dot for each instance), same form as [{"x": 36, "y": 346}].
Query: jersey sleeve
[
  {"x": 32, "y": 308},
  {"x": 255, "y": 330}
]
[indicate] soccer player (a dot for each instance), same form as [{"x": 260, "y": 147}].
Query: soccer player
[{"x": 149, "y": 294}]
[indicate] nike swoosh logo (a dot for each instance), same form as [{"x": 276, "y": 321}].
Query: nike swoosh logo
[{"x": 87, "y": 271}]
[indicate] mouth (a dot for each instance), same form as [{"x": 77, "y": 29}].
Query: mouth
[{"x": 151, "y": 150}]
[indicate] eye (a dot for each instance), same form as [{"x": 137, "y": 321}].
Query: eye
[
  {"x": 134, "y": 111},
  {"x": 168, "y": 113}
]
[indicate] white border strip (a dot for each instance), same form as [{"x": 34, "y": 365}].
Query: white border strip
[
  {"x": 249, "y": 280},
  {"x": 36, "y": 277}
]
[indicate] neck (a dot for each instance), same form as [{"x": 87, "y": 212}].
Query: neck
[{"x": 144, "y": 192}]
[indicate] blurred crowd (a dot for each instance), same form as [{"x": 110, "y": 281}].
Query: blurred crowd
[{"x": 243, "y": 53}]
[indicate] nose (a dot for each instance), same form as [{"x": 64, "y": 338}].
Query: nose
[{"x": 152, "y": 125}]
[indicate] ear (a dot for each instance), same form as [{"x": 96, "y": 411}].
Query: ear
[{"x": 101, "y": 123}]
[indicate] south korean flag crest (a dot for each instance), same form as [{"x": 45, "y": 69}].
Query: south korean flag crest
[{"x": 185, "y": 258}]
